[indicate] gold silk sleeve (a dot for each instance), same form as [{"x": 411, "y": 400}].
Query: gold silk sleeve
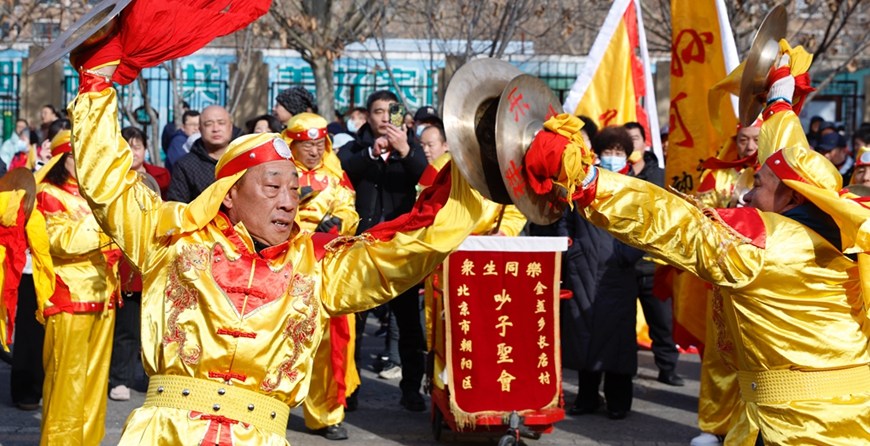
[
  {"x": 72, "y": 235},
  {"x": 512, "y": 222},
  {"x": 127, "y": 209},
  {"x": 367, "y": 272},
  {"x": 781, "y": 130},
  {"x": 670, "y": 228}
]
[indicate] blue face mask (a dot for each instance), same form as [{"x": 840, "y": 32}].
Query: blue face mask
[
  {"x": 351, "y": 126},
  {"x": 613, "y": 163}
]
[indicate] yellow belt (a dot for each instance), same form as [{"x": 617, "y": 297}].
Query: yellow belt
[
  {"x": 218, "y": 400},
  {"x": 776, "y": 386}
]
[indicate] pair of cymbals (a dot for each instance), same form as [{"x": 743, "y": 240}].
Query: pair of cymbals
[{"x": 492, "y": 111}]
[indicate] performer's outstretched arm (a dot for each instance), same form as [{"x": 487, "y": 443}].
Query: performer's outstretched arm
[
  {"x": 365, "y": 271},
  {"x": 674, "y": 230}
]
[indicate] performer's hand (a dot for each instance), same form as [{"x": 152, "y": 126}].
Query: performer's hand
[
  {"x": 328, "y": 224},
  {"x": 558, "y": 157},
  {"x": 781, "y": 83}
]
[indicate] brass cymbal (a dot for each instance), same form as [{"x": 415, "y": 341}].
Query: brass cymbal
[
  {"x": 525, "y": 104},
  {"x": 91, "y": 28},
  {"x": 759, "y": 63},
  {"x": 470, "y": 105},
  {"x": 21, "y": 179}
]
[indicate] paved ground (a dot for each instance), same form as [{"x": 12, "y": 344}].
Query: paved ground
[{"x": 662, "y": 415}]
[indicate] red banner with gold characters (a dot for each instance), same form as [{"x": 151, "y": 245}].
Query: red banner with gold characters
[{"x": 501, "y": 308}]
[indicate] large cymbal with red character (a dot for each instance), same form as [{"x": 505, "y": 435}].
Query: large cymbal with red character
[
  {"x": 526, "y": 102},
  {"x": 759, "y": 63}
]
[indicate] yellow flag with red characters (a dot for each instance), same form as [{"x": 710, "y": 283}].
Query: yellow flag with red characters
[
  {"x": 702, "y": 54},
  {"x": 615, "y": 85}
]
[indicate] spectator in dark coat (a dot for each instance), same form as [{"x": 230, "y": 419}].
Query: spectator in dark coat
[
  {"x": 194, "y": 172},
  {"x": 598, "y": 322},
  {"x": 384, "y": 166}
]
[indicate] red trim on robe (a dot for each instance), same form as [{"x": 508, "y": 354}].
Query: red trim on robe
[
  {"x": 714, "y": 163},
  {"x": 48, "y": 203},
  {"x": 339, "y": 331},
  {"x": 747, "y": 222},
  {"x": 431, "y": 200}
]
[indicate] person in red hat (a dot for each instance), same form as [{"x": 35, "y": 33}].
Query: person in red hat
[
  {"x": 862, "y": 167},
  {"x": 788, "y": 288}
]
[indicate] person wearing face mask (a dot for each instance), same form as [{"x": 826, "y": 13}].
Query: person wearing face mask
[
  {"x": 598, "y": 322},
  {"x": 423, "y": 118}
]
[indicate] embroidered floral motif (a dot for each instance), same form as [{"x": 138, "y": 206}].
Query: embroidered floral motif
[
  {"x": 344, "y": 242},
  {"x": 298, "y": 332},
  {"x": 723, "y": 340},
  {"x": 182, "y": 297}
]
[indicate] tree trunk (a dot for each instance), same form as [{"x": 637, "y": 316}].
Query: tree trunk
[{"x": 325, "y": 86}]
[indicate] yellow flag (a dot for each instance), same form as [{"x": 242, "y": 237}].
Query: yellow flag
[
  {"x": 702, "y": 54},
  {"x": 615, "y": 85}
]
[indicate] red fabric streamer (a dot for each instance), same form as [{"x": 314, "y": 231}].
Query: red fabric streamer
[
  {"x": 431, "y": 200},
  {"x": 714, "y": 163},
  {"x": 154, "y": 31},
  {"x": 339, "y": 332},
  {"x": 543, "y": 160},
  {"x": 15, "y": 241}
]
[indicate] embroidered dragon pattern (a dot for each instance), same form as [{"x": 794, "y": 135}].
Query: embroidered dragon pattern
[
  {"x": 181, "y": 297},
  {"x": 298, "y": 332}
]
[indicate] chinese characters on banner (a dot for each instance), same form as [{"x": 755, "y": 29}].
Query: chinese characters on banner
[{"x": 502, "y": 323}]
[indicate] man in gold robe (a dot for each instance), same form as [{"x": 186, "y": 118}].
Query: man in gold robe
[
  {"x": 235, "y": 296},
  {"x": 789, "y": 293}
]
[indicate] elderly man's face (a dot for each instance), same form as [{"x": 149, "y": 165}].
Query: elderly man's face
[
  {"x": 861, "y": 175},
  {"x": 265, "y": 200},
  {"x": 770, "y": 194},
  {"x": 216, "y": 127},
  {"x": 309, "y": 153},
  {"x": 747, "y": 141}
]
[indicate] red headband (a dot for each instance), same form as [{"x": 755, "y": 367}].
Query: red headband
[
  {"x": 307, "y": 135},
  {"x": 61, "y": 148},
  {"x": 782, "y": 169},
  {"x": 271, "y": 150}
]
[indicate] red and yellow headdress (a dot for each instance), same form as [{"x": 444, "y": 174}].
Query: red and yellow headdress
[
  {"x": 311, "y": 127},
  {"x": 60, "y": 144},
  {"x": 242, "y": 154}
]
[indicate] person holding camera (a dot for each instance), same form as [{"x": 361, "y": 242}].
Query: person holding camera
[{"x": 384, "y": 166}]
